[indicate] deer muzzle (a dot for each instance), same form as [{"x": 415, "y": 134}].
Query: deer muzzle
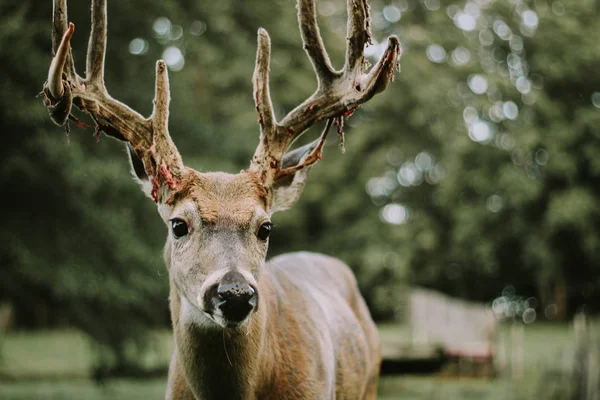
[{"x": 231, "y": 300}]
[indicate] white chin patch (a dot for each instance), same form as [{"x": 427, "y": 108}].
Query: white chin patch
[
  {"x": 192, "y": 315},
  {"x": 222, "y": 322}
]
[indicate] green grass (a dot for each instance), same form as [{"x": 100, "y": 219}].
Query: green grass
[
  {"x": 45, "y": 354},
  {"x": 57, "y": 365},
  {"x": 118, "y": 389},
  {"x": 67, "y": 354}
]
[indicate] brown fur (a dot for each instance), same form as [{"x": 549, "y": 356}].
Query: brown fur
[
  {"x": 222, "y": 198},
  {"x": 283, "y": 353}
]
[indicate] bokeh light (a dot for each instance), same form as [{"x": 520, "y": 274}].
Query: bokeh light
[
  {"x": 174, "y": 58},
  {"x": 138, "y": 46}
]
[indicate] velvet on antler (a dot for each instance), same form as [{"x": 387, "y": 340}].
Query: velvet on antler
[
  {"x": 64, "y": 88},
  {"x": 338, "y": 93}
]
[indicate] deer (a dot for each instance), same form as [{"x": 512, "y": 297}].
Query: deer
[{"x": 295, "y": 327}]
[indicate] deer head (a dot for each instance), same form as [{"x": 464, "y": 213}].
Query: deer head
[{"x": 219, "y": 223}]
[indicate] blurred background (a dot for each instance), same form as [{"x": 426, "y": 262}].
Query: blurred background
[{"x": 467, "y": 202}]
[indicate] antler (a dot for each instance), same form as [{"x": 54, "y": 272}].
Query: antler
[
  {"x": 149, "y": 137},
  {"x": 338, "y": 93}
]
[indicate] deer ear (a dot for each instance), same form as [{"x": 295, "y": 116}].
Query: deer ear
[
  {"x": 287, "y": 189},
  {"x": 138, "y": 171}
]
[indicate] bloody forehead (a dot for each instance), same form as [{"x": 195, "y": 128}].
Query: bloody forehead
[{"x": 225, "y": 198}]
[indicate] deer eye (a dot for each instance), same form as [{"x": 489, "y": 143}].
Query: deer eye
[
  {"x": 180, "y": 228},
  {"x": 264, "y": 231}
]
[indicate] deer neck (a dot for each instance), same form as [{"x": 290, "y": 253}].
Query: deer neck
[{"x": 223, "y": 363}]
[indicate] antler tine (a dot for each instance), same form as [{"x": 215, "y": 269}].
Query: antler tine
[
  {"x": 313, "y": 43},
  {"x": 314, "y": 156},
  {"x": 262, "y": 95},
  {"x": 97, "y": 45},
  {"x": 55, "y": 73},
  {"x": 62, "y": 62},
  {"x": 162, "y": 98},
  {"x": 59, "y": 27},
  {"x": 59, "y": 23},
  {"x": 163, "y": 154},
  {"x": 358, "y": 34},
  {"x": 383, "y": 72}
]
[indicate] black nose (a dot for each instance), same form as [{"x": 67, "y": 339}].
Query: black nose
[{"x": 235, "y": 297}]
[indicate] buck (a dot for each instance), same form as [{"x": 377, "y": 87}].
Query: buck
[{"x": 295, "y": 327}]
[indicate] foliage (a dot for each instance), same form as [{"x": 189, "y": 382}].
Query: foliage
[{"x": 502, "y": 187}]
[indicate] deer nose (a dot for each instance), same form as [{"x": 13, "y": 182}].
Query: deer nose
[{"x": 237, "y": 299}]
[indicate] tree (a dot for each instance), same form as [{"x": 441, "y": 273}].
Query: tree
[{"x": 506, "y": 191}]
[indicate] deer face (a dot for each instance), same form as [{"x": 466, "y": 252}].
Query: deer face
[
  {"x": 218, "y": 231},
  {"x": 216, "y": 246}
]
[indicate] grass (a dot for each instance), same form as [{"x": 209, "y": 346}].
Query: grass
[
  {"x": 117, "y": 389},
  {"x": 49, "y": 355},
  {"x": 428, "y": 387},
  {"x": 66, "y": 354},
  {"x": 57, "y": 365}
]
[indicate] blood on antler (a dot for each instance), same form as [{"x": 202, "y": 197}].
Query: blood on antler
[
  {"x": 338, "y": 93},
  {"x": 64, "y": 88}
]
